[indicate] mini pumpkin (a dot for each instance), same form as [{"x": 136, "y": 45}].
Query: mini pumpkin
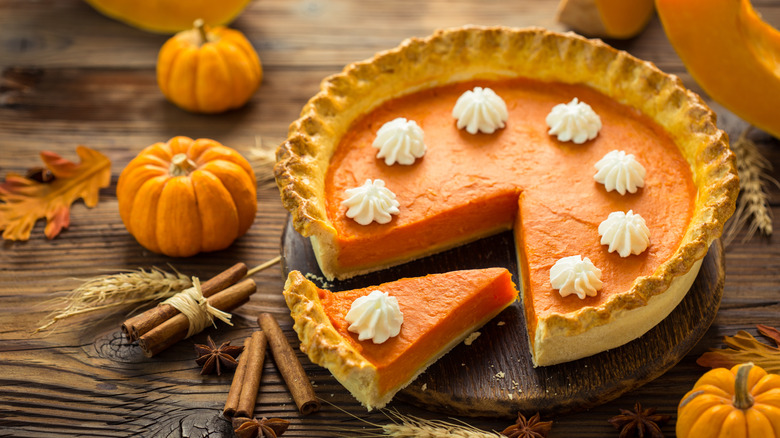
[
  {"x": 208, "y": 70},
  {"x": 187, "y": 196},
  {"x": 741, "y": 402}
]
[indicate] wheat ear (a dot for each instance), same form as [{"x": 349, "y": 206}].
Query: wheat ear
[
  {"x": 405, "y": 426},
  {"x": 262, "y": 158},
  {"x": 110, "y": 291},
  {"x": 752, "y": 205}
]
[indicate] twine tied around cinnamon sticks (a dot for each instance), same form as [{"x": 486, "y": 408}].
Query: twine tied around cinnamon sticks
[
  {"x": 164, "y": 325},
  {"x": 196, "y": 308}
]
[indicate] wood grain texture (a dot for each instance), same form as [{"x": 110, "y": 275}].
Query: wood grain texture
[{"x": 70, "y": 76}]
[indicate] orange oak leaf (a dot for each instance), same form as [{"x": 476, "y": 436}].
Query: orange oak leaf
[
  {"x": 25, "y": 200},
  {"x": 743, "y": 347}
]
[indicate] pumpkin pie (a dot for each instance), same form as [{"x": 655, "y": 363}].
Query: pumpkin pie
[
  {"x": 518, "y": 176},
  {"x": 439, "y": 311}
]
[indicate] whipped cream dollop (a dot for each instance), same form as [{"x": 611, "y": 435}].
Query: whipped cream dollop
[
  {"x": 375, "y": 316},
  {"x": 620, "y": 171},
  {"x": 480, "y": 109},
  {"x": 626, "y": 233},
  {"x": 575, "y": 275},
  {"x": 574, "y": 121},
  {"x": 371, "y": 202},
  {"x": 400, "y": 141}
]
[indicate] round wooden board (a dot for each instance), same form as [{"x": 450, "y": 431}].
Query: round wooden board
[{"x": 494, "y": 376}]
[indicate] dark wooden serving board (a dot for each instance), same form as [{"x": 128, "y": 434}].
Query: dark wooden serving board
[{"x": 494, "y": 376}]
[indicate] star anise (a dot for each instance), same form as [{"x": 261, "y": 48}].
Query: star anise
[
  {"x": 264, "y": 428},
  {"x": 215, "y": 359},
  {"x": 640, "y": 423},
  {"x": 532, "y": 428}
]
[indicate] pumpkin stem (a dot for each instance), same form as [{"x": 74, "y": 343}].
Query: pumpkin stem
[
  {"x": 200, "y": 25},
  {"x": 742, "y": 398},
  {"x": 181, "y": 165}
]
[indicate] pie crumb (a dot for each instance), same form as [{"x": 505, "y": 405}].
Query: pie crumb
[
  {"x": 323, "y": 283},
  {"x": 471, "y": 338},
  {"x": 500, "y": 323},
  {"x": 500, "y": 375},
  {"x": 424, "y": 387}
]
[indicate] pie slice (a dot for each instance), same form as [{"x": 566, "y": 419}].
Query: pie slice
[
  {"x": 439, "y": 311},
  {"x": 519, "y": 176}
]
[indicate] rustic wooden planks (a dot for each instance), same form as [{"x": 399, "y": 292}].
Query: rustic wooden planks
[{"x": 70, "y": 76}]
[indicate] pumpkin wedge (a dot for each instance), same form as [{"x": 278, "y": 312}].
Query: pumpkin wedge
[
  {"x": 606, "y": 18},
  {"x": 731, "y": 52}
]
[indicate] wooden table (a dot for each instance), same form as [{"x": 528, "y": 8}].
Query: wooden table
[{"x": 71, "y": 76}]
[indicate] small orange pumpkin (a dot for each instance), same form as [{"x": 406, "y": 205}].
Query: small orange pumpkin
[
  {"x": 208, "y": 70},
  {"x": 187, "y": 196},
  {"x": 741, "y": 402}
]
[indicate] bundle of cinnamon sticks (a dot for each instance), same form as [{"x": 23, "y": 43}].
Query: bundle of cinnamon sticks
[
  {"x": 246, "y": 381},
  {"x": 162, "y": 326}
]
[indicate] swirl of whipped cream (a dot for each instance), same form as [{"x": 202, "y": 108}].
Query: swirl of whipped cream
[
  {"x": 575, "y": 121},
  {"x": 575, "y": 275},
  {"x": 480, "y": 109},
  {"x": 400, "y": 141},
  {"x": 371, "y": 202},
  {"x": 620, "y": 171},
  {"x": 625, "y": 233},
  {"x": 375, "y": 316}
]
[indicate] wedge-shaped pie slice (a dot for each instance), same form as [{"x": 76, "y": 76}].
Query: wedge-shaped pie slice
[
  {"x": 517, "y": 174},
  {"x": 439, "y": 311}
]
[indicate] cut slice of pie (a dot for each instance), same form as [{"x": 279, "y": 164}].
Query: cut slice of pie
[
  {"x": 519, "y": 176},
  {"x": 439, "y": 311}
]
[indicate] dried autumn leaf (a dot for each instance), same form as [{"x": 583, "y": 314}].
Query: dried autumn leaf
[
  {"x": 743, "y": 347},
  {"x": 24, "y": 200}
]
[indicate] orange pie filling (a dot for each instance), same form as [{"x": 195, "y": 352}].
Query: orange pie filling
[
  {"x": 436, "y": 309},
  {"x": 469, "y": 186}
]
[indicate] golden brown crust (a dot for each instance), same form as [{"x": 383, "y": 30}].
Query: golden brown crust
[
  {"x": 325, "y": 346},
  {"x": 461, "y": 54}
]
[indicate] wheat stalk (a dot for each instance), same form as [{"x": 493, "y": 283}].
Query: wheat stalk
[
  {"x": 110, "y": 291},
  {"x": 413, "y": 427},
  {"x": 405, "y": 426},
  {"x": 130, "y": 287},
  {"x": 262, "y": 159},
  {"x": 753, "y": 204}
]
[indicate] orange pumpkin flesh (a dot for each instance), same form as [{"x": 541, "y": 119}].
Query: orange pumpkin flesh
[
  {"x": 208, "y": 71},
  {"x": 169, "y": 16},
  {"x": 187, "y": 196},
  {"x": 731, "y": 53},
  {"x": 741, "y": 402}
]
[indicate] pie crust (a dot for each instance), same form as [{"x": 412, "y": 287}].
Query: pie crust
[
  {"x": 469, "y": 53},
  {"x": 481, "y": 295}
]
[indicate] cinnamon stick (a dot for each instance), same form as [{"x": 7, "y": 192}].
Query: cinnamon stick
[
  {"x": 175, "y": 329},
  {"x": 138, "y": 325},
  {"x": 234, "y": 393},
  {"x": 252, "y": 376},
  {"x": 289, "y": 366}
]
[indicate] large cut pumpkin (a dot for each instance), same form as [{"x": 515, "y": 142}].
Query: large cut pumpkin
[
  {"x": 208, "y": 70},
  {"x": 743, "y": 402},
  {"x": 606, "y": 18},
  {"x": 169, "y": 16},
  {"x": 731, "y": 53},
  {"x": 187, "y": 196}
]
